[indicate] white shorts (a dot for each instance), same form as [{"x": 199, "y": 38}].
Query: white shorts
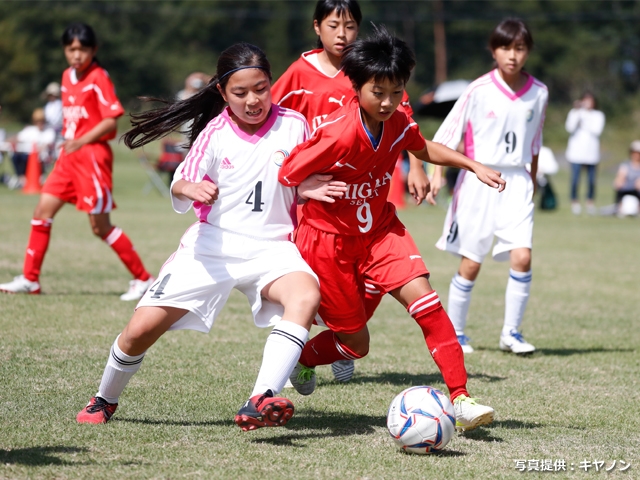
[
  {"x": 477, "y": 213},
  {"x": 209, "y": 263}
]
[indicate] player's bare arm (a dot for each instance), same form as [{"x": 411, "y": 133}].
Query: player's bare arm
[
  {"x": 534, "y": 173},
  {"x": 205, "y": 192},
  {"x": 107, "y": 125},
  {"x": 441, "y": 155},
  {"x": 320, "y": 187},
  {"x": 417, "y": 180}
]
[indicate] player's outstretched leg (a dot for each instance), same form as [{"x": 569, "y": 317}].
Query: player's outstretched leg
[
  {"x": 343, "y": 369},
  {"x": 98, "y": 410},
  {"x": 264, "y": 411},
  {"x": 470, "y": 414}
]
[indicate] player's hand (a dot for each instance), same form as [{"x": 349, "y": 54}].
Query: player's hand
[
  {"x": 204, "y": 192},
  {"x": 489, "y": 176},
  {"x": 436, "y": 185},
  {"x": 320, "y": 187},
  {"x": 418, "y": 183},
  {"x": 70, "y": 146}
]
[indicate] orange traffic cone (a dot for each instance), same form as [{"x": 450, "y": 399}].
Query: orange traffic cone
[
  {"x": 32, "y": 183},
  {"x": 396, "y": 192}
]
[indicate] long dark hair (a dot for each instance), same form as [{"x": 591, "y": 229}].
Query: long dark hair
[
  {"x": 324, "y": 8},
  {"x": 198, "y": 109},
  {"x": 380, "y": 56}
]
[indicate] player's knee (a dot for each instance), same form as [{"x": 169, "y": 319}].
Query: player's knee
[
  {"x": 358, "y": 346},
  {"x": 100, "y": 231},
  {"x": 309, "y": 300},
  {"x": 521, "y": 259}
]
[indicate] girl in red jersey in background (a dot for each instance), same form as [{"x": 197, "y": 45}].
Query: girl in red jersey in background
[
  {"x": 82, "y": 174},
  {"x": 316, "y": 86}
]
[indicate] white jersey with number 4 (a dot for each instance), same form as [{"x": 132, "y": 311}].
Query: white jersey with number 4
[
  {"x": 499, "y": 127},
  {"x": 245, "y": 168}
]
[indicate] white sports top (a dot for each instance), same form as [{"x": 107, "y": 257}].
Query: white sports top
[
  {"x": 500, "y": 127},
  {"x": 245, "y": 167}
]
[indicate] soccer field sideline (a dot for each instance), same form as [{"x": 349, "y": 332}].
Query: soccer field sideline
[{"x": 574, "y": 401}]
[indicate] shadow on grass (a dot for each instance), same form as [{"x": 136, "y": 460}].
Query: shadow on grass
[
  {"x": 515, "y": 424},
  {"x": 37, "y": 456},
  {"x": 560, "y": 352},
  {"x": 174, "y": 423},
  {"x": 413, "y": 379},
  {"x": 565, "y": 352},
  {"x": 322, "y": 424}
]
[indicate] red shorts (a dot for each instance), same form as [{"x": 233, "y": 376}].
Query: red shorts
[
  {"x": 84, "y": 178},
  {"x": 386, "y": 260}
]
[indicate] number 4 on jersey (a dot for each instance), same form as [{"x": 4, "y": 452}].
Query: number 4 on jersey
[{"x": 255, "y": 198}]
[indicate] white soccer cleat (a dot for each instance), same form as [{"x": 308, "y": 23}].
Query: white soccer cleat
[
  {"x": 303, "y": 379},
  {"x": 20, "y": 285},
  {"x": 470, "y": 414},
  {"x": 343, "y": 370},
  {"x": 464, "y": 344},
  {"x": 515, "y": 342},
  {"x": 137, "y": 288}
]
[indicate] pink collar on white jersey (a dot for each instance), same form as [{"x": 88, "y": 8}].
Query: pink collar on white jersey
[
  {"x": 502, "y": 86},
  {"x": 266, "y": 126}
]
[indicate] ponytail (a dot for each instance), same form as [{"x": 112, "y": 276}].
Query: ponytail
[{"x": 199, "y": 109}]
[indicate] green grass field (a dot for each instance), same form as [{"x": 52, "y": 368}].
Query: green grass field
[{"x": 575, "y": 400}]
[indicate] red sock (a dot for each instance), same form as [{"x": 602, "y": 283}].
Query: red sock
[
  {"x": 36, "y": 248},
  {"x": 123, "y": 247},
  {"x": 442, "y": 342},
  {"x": 324, "y": 349}
]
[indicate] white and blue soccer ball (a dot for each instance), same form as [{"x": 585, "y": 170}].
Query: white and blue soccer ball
[{"x": 421, "y": 420}]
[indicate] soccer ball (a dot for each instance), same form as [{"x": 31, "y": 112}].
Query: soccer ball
[{"x": 421, "y": 420}]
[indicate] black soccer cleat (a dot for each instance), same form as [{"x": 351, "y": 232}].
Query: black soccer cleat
[{"x": 264, "y": 411}]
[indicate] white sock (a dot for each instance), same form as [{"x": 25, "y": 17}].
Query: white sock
[
  {"x": 281, "y": 353},
  {"x": 459, "y": 301},
  {"x": 516, "y": 298},
  {"x": 119, "y": 370}
]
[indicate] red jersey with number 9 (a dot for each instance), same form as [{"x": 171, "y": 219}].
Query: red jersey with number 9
[
  {"x": 341, "y": 147},
  {"x": 86, "y": 102}
]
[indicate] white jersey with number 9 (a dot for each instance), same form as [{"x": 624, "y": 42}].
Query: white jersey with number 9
[{"x": 500, "y": 127}]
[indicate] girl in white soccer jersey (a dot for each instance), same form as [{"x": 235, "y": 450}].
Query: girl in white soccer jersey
[
  {"x": 241, "y": 239},
  {"x": 499, "y": 118}
]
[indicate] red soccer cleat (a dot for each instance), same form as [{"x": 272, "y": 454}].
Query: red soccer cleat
[
  {"x": 264, "y": 411},
  {"x": 98, "y": 410}
]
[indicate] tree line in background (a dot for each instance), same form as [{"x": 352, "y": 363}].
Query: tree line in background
[{"x": 149, "y": 47}]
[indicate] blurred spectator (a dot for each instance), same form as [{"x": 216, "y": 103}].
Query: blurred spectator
[
  {"x": 547, "y": 166},
  {"x": 584, "y": 124},
  {"x": 174, "y": 149},
  {"x": 38, "y": 135},
  {"x": 627, "y": 183},
  {"x": 193, "y": 84},
  {"x": 53, "y": 107}
]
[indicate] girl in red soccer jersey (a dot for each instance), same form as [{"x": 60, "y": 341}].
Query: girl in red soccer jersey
[
  {"x": 316, "y": 86},
  {"x": 82, "y": 175},
  {"x": 359, "y": 238}
]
